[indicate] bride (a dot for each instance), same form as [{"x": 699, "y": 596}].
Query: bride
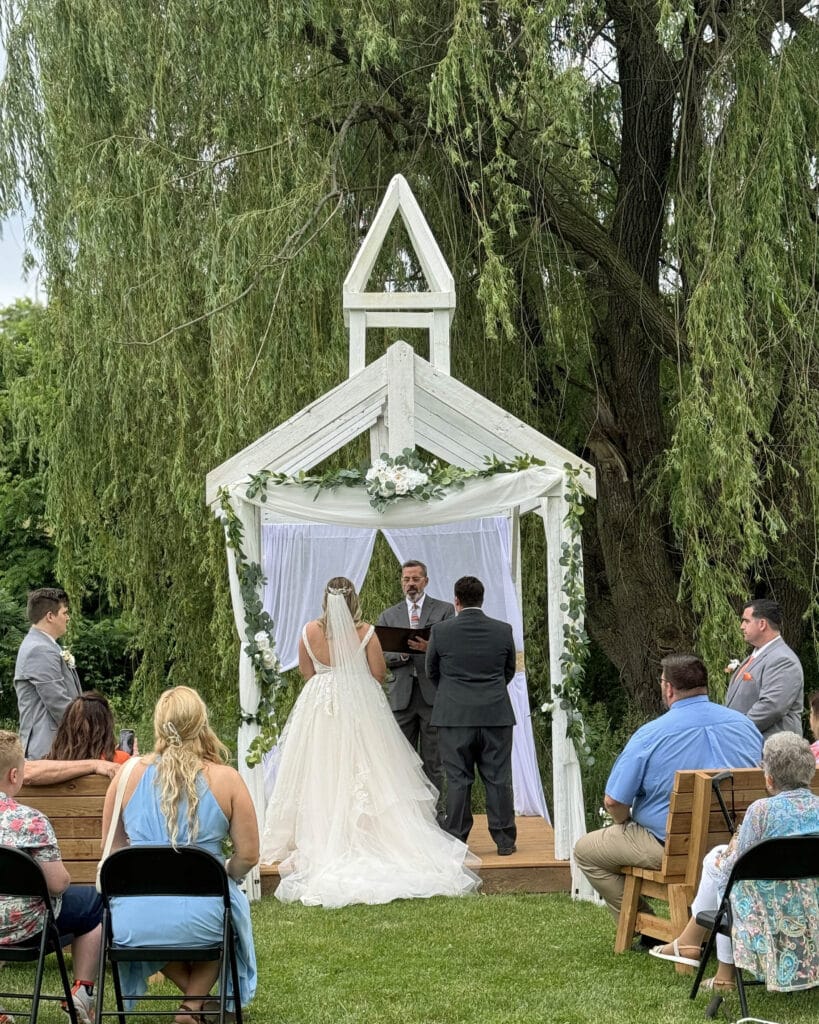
[{"x": 352, "y": 814}]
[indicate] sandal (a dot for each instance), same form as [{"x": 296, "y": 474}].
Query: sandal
[
  {"x": 715, "y": 985},
  {"x": 676, "y": 955},
  {"x": 187, "y": 1015},
  {"x": 211, "y": 1008}
]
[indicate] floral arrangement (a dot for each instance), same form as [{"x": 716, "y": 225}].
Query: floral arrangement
[
  {"x": 575, "y": 639},
  {"x": 68, "y": 658},
  {"x": 260, "y": 646},
  {"x": 393, "y": 478}
]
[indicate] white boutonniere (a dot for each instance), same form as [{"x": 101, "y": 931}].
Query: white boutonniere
[
  {"x": 732, "y": 665},
  {"x": 68, "y": 657}
]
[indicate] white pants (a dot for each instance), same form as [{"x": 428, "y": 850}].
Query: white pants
[{"x": 708, "y": 898}]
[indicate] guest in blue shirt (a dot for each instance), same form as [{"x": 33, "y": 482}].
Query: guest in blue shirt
[{"x": 693, "y": 733}]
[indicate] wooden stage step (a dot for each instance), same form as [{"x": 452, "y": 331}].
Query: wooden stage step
[{"x": 532, "y": 868}]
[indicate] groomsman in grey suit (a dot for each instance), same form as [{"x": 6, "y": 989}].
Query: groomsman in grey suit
[
  {"x": 44, "y": 677},
  {"x": 410, "y": 693},
  {"x": 471, "y": 661},
  {"x": 769, "y": 686}
]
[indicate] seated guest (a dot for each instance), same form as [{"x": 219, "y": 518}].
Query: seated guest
[
  {"x": 87, "y": 730},
  {"x": 84, "y": 744},
  {"x": 77, "y": 908},
  {"x": 694, "y": 733},
  {"x": 184, "y": 794},
  {"x": 776, "y": 924},
  {"x": 813, "y": 702}
]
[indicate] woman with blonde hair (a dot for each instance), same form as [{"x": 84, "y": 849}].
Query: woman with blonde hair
[
  {"x": 352, "y": 816},
  {"x": 184, "y": 794}
]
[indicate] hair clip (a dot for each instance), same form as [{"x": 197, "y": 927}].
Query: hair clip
[{"x": 172, "y": 734}]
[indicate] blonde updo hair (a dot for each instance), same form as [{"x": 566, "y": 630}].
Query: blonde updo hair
[
  {"x": 345, "y": 588},
  {"x": 184, "y": 741}
]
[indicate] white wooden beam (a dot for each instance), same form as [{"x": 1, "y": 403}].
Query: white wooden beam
[
  {"x": 319, "y": 422},
  {"x": 459, "y": 404},
  {"x": 400, "y": 416}
]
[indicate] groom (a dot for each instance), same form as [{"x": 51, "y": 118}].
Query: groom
[
  {"x": 471, "y": 661},
  {"x": 410, "y": 693}
]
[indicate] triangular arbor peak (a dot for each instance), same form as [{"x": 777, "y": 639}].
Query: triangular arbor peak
[
  {"x": 431, "y": 310},
  {"x": 406, "y": 401}
]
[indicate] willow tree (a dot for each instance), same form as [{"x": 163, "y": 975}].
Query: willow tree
[{"x": 626, "y": 192}]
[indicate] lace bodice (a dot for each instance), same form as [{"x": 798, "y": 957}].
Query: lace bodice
[{"x": 319, "y": 666}]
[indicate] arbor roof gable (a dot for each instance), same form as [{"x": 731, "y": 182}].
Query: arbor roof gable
[{"x": 446, "y": 418}]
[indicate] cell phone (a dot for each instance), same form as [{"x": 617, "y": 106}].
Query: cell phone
[{"x": 126, "y": 740}]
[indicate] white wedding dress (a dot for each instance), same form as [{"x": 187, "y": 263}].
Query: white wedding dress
[{"x": 352, "y": 815}]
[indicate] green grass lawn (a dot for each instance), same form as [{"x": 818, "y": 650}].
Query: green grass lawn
[{"x": 477, "y": 960}]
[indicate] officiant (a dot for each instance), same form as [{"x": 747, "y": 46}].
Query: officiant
[{"x": 410, "y": 693}]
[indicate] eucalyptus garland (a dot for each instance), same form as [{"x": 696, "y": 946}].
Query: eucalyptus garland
[
  {"x": 575, "y": 652},
  {"x": 393, "y": 478},
  {"x": 259, "y": 639}
]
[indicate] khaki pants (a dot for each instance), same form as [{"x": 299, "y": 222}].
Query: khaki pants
[{"x": 601, "y": 855}]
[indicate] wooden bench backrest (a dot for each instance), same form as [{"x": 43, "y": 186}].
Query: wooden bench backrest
[
  {"x": 75, "y": 810},
  {"x": 695, "y": 821}
]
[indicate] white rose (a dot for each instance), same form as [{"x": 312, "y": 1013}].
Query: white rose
[
  {"x": 262, "y": 640},
  {"x": 268, "y": 658}
]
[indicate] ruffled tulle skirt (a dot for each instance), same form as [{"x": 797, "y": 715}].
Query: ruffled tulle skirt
[{"x": 352, "y": 814}]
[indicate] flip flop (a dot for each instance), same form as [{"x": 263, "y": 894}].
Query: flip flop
[{"x": 675, "y": 957}]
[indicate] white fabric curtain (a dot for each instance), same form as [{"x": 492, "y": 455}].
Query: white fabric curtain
[
  {"x": 481, "y": 547},
  {"x": 297, "y": 560},
  {"x": 350, "y": 506}
]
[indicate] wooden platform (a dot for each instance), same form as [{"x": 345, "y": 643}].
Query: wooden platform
[{"x": 532, "y": 869}]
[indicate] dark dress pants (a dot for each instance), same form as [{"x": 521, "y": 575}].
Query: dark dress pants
[
  {"x": 413, "y": 721},
  {"x": 489, "y": 749}
]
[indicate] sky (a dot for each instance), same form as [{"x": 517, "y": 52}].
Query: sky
[{"x": 12, "y": 285}]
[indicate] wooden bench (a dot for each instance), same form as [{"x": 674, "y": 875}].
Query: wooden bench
[
  {"x": 695, "y": 824},
  {"x": 75, "y": 810}
]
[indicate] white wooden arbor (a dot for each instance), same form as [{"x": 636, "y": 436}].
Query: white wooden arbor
[{"x": 406, "y": 401}]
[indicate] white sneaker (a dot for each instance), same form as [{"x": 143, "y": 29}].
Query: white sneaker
[{"x": 83, "y": 1004}]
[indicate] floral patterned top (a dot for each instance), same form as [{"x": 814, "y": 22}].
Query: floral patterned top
[
  {"x": 28, "y": 830},
  {"x": 776, "y": 924}
]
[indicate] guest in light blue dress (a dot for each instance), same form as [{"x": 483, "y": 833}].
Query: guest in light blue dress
[{"x": 181, "y": 795}]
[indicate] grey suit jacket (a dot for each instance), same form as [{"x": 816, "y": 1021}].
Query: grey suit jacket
[
  {"x": 400, "y": 689},
  {"x": 471, "y": 661},
  {"x": 45, "y": 687},
  {"x": 773, "y": 694}
]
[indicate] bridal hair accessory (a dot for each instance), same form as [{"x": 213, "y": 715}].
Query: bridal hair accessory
[
  {"x": 339, "y": 591},
  {"x": 171, "y": 734}
]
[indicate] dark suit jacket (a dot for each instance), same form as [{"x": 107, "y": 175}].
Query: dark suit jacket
[
  {"x": 400, "y": 689},
  {"x": 774, "y": 694},
  {"x": 471, "y": 661},
  {"x": 45, "y": 687}
]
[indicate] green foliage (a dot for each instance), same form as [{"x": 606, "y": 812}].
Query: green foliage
[
  {"x": 624, "y": 193},
  {"x": 101, "y": 641}
]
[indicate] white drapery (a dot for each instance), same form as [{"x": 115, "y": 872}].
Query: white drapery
[{"x": 297, "y": 560}]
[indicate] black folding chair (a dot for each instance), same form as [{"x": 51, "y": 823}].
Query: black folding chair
[
  {"x": 789, "y": 859},
  {"x": 21, "y": 876},
  {"x": 145, "y": 871}
]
